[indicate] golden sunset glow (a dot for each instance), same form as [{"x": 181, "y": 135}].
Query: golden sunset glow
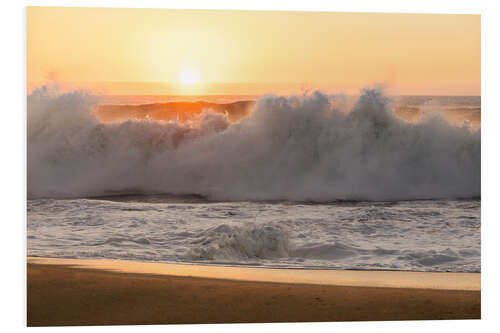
[
  {"x": 189, "y": 76},
  {"x": 145, "y": 51}
]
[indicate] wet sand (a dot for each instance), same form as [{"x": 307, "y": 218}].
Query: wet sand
[{"x": 111, "y": 292}]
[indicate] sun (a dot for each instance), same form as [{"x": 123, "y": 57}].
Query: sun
[{"x": 189, "y": 76}]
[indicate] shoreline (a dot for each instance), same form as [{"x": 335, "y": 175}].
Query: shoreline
[
  {"x": 67, "y": 292},
  {"x": 348, "y": 278}
]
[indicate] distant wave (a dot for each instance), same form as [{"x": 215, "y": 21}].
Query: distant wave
[
  {"x": 303, "y": 148},
  {"x": 172, "y": 111}
]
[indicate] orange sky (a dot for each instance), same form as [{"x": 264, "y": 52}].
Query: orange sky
[{"x": 144, "y": 51}]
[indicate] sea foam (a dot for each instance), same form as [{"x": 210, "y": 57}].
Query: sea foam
[{"x": 303, "y": 148}]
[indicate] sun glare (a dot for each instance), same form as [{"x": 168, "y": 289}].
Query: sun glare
[{"x": 189, "y": 76}]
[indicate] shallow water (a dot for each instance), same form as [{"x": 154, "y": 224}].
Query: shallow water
[{"x": 425, "y": 235}]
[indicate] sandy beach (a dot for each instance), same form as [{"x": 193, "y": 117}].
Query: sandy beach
[{"x": 111, "y": 292}]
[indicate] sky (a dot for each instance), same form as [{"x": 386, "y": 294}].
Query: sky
[{"x": 174, "y": 52}]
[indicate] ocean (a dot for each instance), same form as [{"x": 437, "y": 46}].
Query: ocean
[{"x": 311, "y": 181}]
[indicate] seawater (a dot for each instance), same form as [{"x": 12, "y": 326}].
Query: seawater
[
  {"x": 427, "y": 235},
  {"x": 310, "y": 181}
]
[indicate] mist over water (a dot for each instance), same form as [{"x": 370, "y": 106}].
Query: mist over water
[{"x": 299, "y": 148}]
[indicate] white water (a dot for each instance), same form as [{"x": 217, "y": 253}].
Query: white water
[
  {"x": 275, "y": 179},
  {"x": 303, "y": 148},
  {"x": 435, "y": 235}
]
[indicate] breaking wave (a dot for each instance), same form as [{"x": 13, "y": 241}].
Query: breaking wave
[
  {"x": 303, "y": 148},
  {"x": 226, "y": 242}
]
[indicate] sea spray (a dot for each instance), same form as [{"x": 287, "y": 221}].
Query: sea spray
[{"x": 303, "y": 148}]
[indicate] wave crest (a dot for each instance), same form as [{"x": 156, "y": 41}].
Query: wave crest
[
  {"x": 288, "y": 148},
  {"x": 227, "y": 243}
]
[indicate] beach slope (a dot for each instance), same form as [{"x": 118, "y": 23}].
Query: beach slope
[{"x": 111, "y": 292}]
